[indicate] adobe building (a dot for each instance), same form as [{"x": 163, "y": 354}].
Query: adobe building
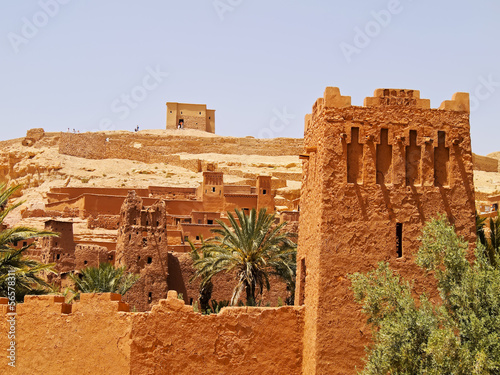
[
  {"x": 103, "y": 205},
  {"x": 144, "y": 226},
  {"x": 59, "y": 250},
  {"x": 65, "y": 253},
  {"x": 488, "y": 207},
  {"x": 372, "y": 176},
  {"x": 153, "y": 239},
  {"x": 190, "y": 116}
]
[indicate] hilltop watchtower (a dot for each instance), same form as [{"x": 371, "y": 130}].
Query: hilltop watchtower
[
  {"x": 372, "y": 176},
  {"x": 190, "y": 116}
]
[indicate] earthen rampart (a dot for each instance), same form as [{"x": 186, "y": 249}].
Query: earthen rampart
[
  {"x": 160, "y": 149},
  {"x": 98, "y": 335}
]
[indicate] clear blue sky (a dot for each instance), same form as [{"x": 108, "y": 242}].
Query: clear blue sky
[{"x": 260, "y": 64}]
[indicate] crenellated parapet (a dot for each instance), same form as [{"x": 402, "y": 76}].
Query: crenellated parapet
[
  {"x": 391, "y": 123},
  {"x": 397, "y": 97},
  {"x": 89, "y": 302},
  {"x": 459, "y": 102},
  {"x": 48, "y": 304}
]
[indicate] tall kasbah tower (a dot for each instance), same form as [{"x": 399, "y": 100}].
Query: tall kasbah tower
[
  {"x": 212, "y": 191},
  {"x": 265, "y": 196},
  {"x": 142, "y": 248},
  {"x": 373, "y": 175}
]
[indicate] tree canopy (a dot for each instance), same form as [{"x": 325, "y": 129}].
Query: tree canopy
[{"x": 458, "y": 335}]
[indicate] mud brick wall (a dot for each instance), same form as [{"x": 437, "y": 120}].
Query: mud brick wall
[{"x": 98, "y": 335}]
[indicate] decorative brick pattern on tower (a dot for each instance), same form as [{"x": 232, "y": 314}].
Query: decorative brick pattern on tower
[
  {"x": 142, "y": 248},
  {"x": 373, "y": 175}
]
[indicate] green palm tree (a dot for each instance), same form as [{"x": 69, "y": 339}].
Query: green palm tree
[
  {"x": 253, "y": 246},
  {"x": 480, "y": 223},
  {"x": 16, "y": 270},
  {"x": 103, "y": 279},
  {"x": 489, "y": 236}
]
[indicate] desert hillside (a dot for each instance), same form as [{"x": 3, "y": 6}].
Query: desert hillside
[
  {"x": 42, "y": 161},
  {"x": 486, "y": 174}
]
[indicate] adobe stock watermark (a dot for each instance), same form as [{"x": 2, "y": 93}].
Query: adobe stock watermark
[
  {"x": 483, "y": 91},
  {"x": 31, "y": 26},
  {"x": 277, "y": 124},
  {"x": 223, "y": 6},
  {"x": 11, "y": 318},
  {"x": 363, "y": 36},
  {"x": 122, "y": 106}
]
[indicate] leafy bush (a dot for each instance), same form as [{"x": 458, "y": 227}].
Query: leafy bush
[{"x": 461, "y": 335}]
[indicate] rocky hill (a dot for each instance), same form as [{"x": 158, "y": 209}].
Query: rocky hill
[
  {"x": 486, "y": 174},
  {"x": 42, "y": 161}
]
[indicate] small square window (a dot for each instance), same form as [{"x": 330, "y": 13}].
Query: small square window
[
  {"x": 170, "y": 111},
  {"x": 150, "y": 260},
  {"x": 197, "y": 238},
  {"x": 264, "y": 191},
  {"x": 210, "y": 221},
  {"x": 200, "y": 113}
]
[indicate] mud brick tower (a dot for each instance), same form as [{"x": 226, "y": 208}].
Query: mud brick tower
[
  {"x": 142, "y": 248},
  {"x": 373, "y": 175}
]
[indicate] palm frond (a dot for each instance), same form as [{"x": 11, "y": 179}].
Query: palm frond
[{"x": 254, "y": 247}]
